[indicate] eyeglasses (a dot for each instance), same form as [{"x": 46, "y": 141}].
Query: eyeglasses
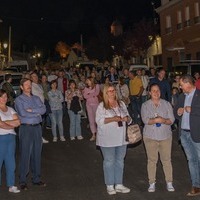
[{"x": 111, "y": 91}]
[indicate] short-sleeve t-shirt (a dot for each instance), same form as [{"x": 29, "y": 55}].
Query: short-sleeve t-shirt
[{"x": 8, "y": 115}]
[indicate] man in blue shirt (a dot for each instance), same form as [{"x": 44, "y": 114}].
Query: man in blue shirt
[
  {"x": 187, "y": 112},
  {"x": 29, "y": 108}
]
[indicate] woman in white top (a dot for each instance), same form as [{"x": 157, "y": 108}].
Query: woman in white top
[
  {"x": 123, "y": 91},
  {"x": 111, "y": 118},
  {"x": 8, "y": 121}
]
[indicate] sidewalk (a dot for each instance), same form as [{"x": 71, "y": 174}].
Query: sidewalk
[{"x": 73, "y": 171}]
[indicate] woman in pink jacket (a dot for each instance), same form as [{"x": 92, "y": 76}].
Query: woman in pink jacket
[{"x": 90, "y": 93}]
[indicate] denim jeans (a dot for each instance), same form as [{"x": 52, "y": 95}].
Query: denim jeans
[
  {"x": 7, "y": 155},
  {"x": 57, "y": 119},
  {"x": 136, "y": 104},
  {"x": 113, "y": 164},
  {"x": 75, "y": 124},
  {"x": 192, "y": 151},
  {"x": 30, "y": 146}
]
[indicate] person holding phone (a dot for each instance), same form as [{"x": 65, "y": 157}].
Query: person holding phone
[{"x": 111, "y": 118}]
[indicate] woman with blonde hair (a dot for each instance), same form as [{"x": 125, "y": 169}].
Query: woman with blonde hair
[
  {"x": 90, "y": 93},
  {"x": 111, "y": 118}
]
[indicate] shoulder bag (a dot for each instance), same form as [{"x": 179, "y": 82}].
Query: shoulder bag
[{"x": 133, "y": 133}]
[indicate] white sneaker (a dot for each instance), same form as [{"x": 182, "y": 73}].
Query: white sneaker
[
  {"x": 72, "y": 138},
  {"x": 55, "y": 139},
  {"x": 44, "y": 141},
  {"x": 121, "y": 188},
  {"x": 62, "y": 139},
  {"x": 111, "y": 190},
  {"x": 13, "y": 189},
  {"x": 79, "y": 137},
  {"x": 152, "y": 187},
  {"x": 170, "y": 187}
]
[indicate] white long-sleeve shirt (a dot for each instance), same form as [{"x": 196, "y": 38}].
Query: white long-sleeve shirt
[
  {"x": 38, "y": 91},
  {"x": 110, "y": 134}
]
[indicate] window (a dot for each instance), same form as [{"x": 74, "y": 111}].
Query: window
[
  {"x": 198, "y": 55},
  {"x": 196, "y": 13},
  {"x": 179, "y": 20},
  {"x": 187, "y": 17},
  {"x": 168, "y": 24},
  {"x": 188, "y": 56}
]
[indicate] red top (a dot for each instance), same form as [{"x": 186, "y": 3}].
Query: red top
[{"x": 197, "y": 84}]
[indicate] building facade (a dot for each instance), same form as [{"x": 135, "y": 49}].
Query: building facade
[{"x": 180, "y": 31}]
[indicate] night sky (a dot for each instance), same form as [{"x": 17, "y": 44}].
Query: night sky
[{"x": 43, "y": 23}]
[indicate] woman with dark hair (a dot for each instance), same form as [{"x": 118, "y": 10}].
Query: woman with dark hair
[
  {"x": 73, "y": 98},
  {"x": 90, "y": 93},
  {"x": 123, "y": 91},
  {"x": 8, "y": 121},
  {"x": 111, "y": 118},
  {"x": 55, "y": 100},
  {"x": 157, "y": 116}
]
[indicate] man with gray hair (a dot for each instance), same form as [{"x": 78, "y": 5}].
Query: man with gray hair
[{"x": 187, "y": 111}]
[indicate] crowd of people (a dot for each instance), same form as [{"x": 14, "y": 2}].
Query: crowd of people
[{"x": 110, "y": 99}]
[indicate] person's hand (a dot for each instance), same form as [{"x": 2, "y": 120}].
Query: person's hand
[
  {"x": 180, "y": 111},
  {"x": 125, "y": 119},
  {"x": 29, "y": 110},
  {"x": 117, "y": 118},
  {"x": 159, "y": 120},
  {"x": 188, "y": 109}
]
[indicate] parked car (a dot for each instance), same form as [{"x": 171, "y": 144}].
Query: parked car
[
  {"x": 16, "y": 78},
  {"x": 138, "y": 66},
  {"x": 21, "y": 65}
]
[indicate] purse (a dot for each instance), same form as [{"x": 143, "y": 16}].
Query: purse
[{"x": 133, "y": 133}]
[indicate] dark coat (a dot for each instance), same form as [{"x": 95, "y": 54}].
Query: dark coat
[
  {"x": 75, "y": 105},
  {"x": 194, "y": 115}
]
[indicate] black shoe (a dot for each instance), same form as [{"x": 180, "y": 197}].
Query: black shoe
[
  {"x": 42, "y": 184},
  {"x": 23, "y": 187}
]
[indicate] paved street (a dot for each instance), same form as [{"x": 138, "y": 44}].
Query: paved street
[{"x": 73, "y": 171}]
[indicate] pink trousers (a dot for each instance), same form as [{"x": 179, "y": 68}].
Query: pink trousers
[{"x": 91, "y": 110}]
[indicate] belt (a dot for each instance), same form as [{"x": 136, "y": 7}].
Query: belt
[
  {"x": 30, "y": 124},
  {"x": 186, "y": 130}
]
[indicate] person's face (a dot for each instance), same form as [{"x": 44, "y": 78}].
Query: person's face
[
  {"x": 126, "y": 72},
  {"x": 186, "y": 87},
  {"x": 174, "y": 91},
  {"x": 143, "y": 72},
  {"x": 161, "y": 74},
  {"x": 72, "y": 86},
  {"x": 44, "y": 79},
  {"x": 61, "y": 74},
  {"x": 153, "y": 71},
  {"x": 111, "y": 92},
  {"x": 54, "y": 85},
  {"x": 26, "y": 87},
  {"x": 139, "y": 72},
  {"x": 177, "y": 79},
  {"x": 112, "y": 70},
  {"x": 34, "y": 78},
  {"x": 88, "y": 82},
  {"x": 3, "y": 99},
  {"x": 197, "y": 76},
  {"x": 155, "y": 92}
]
